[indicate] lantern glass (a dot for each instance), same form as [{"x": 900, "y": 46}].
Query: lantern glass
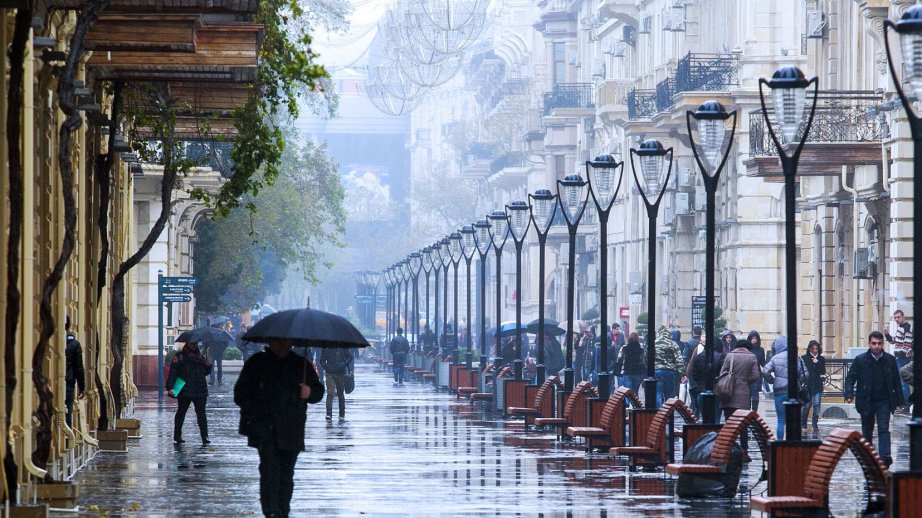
[
  {"x": 436, "y": 253},
  {"x": 415, "y": 262},
  {"x": 652, "y": 167},
  {"x": 543, "y": 210},
  {"x": 788, "y": 104},
  {"x": 499, "y": 226},
  {"x": 482, "y": 236},
  {"x": 602, "y": 181},
  {"x": 468, "y": 242},
  {"x": 712, "y": 133},
  {"x": 427, "y": 259},
  {"x": 445, "y": 252},
  {"x": 518, "y": 219},
  {"x": 573, "y": 198},
  {"x": 911, "y": 46},
  {"x": 454, "y": 246}
]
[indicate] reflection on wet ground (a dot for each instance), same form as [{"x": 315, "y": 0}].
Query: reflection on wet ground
[{"x": 404, "y": 450}]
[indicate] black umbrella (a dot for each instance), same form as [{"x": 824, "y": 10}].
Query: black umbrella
[
  {"x": 308, "y": 328},
  {"x": 209, "y": 335},
  {"x": 551, "y": 327}
]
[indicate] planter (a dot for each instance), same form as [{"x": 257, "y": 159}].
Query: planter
[
  {"x": 112, "y": 440},
  {"x": 29, "y": 511},
  {"x": 58, "y": 494},
  {"x": 132, "y": 426}
]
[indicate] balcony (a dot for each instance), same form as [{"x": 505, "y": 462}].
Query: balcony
[
  {"x": 845, "y": 131},
  {"x": 665, "y": 91},
  {"x": 707, "y": 72},
  {"x": 641, "y": 104},
  {"x": 569, "y": 95}
]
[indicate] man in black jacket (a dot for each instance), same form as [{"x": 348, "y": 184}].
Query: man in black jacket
[
  {"x": 74, "y": 373},
  {"x": 878, "y": 393},
  {"x": 273, "y": 391},
  {"x": 399, "y": 347}
]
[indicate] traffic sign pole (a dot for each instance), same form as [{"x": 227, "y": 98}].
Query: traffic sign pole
[{"x": 160, "y": 379}]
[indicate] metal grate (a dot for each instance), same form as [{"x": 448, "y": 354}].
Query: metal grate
[
  {"x": 641, "y": 104},
  {"x": 569, "y": 95},
  {"x": 707, "y": 72}
]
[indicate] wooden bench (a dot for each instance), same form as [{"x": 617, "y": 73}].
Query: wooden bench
[
  {"x": 654, "y": 450},
  {"x": 578, "y": 397},
  {"x": 543, "y": 405},
  {"x": 723, "y": 446},
  {"x": 612, "y": 423},
  {"x": 815, "y": 497},
  {"x": 488, "y": 396}
]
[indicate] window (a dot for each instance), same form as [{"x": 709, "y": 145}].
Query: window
[
  {"x": 560, "y": 166},
  {"x": 560, "y": 62}
]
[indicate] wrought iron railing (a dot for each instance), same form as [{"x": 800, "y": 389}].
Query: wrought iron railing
[
  {"x": 841, "y": 116},
  {"x": 569, "y": 95},
  {"x": 836, "y": 371},
  {"x": 479, "y": 151},
  {"x": 665, "y": 90},
  {"x": 707, "y": 72},
  {"x": 510, "y": 159},
  {"x": 641, "y": 104}
]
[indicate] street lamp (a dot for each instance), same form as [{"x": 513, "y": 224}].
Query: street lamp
[
  {"x": 518, "y": 227},
  {"x": 543, "y": 210},
  {"x": 436, "y": 256},
  {"x": 601, "y": 173},
  {"x": 445, "y": 255},
  {"x": 415, "y": 265},
  {"x": 426, "y": 256},
  {"x": 468, "y": 247},
  {"x": 789, "y": 88},
  {"x": 499, "y": 232},
  {"x": 373, "y": 277},
  {"x": 711, "y": 130},
  {"x": 454, "y": 250},
  {"x": 910, "y": 30},
  {"x": 482, "y": 240},
  {"x": 386, "y": 274},
  {"x": 404, "y": 270},
  {"x": 655, "y": 171},
  {"x": 573, "y": 200}
]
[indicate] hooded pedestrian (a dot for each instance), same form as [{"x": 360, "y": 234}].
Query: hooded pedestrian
[
  {"x": 755, "y": 347},
  {"x": 191, "y": 366},
  {"x": 74, "y": 376},
  {"x": 776, "y": 373},
  {"x": 273, "y": 391},
  {"x": 399, "y": 348},
  {"x": 697, "y": 370},
  {"x": 668, "y": 365},
  {"x": 744, "y": 369},
  {"x": 816, "y": 375}
]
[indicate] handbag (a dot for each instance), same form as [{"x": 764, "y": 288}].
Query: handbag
[
  {"x": 803, "y": 390},
  {"x": 725, "y": 383},
  {"x": 350, "y": 382}
]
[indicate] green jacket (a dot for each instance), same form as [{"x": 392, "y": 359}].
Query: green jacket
[{"x": 668, "y": 355}]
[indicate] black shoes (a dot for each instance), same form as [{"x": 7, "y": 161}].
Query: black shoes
[
  {"x": 178, "y": 440},
  {"x": 888, "y": 461},
  {"x": 206, "y": 441},
  {"x": 329, "y": 417}
]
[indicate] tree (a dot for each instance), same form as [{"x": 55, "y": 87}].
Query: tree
[{"x": 243, "y": 257}]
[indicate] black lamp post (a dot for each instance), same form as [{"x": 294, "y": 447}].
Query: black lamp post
[
  {"x": 445, "y": 255},
  {"x": 361, "y": 288},
  {"x": 499, "y": 231},
  {"x": 372, "y": 278},
  {"x": 435, "y": 254},
  {"x": 426, "y": 256},
  {"x": 655, "y": 170},
  {"x": 404, "y": 270},
  {"x": 910, "y": 30},
  {"x": 468, "y": 247},
  {"x": 415, "y": 264},
  {"x": 454, "y": 250},
  {"x": 601, "y": 172},
  {"x": 386, "y": 274},
  {"x": 543, "y": 209},
  {"x": 573, "y": 203},
  {"x": 518, "y": 227},
  {"x": 789, "y": 88},
  {"x": 482, "y": 240},
  {"x": 711, "y": 130},
  {"x": 395, "y": 276}
]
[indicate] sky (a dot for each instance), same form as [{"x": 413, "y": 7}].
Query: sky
[{"x": 342, "y": 49}]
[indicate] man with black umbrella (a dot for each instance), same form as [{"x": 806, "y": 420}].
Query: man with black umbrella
[{"x": 273, "y": 391}]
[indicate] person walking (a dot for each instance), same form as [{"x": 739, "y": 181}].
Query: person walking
[
  {"x": 582, "y": 346},
  {"x": 776, "y": 373},
  {"x": 399, "y": 349},
  {"x": 815, "y": 364},
  {"x": 273, "y": 391},
  {"x": 192, "y": 367},
  {"x": 216, "y": 355},
  {"x": 668, "y": 366},
  {"x": 633, "y": 366},
  {"x": 74, "y": 376},
  {"x": 697, "y": 371},
  {"x": 689, "y": 351},
  {"x": 896, "y": 335},
  {"x": 873, "y": 383},
  {"x": 553, "y": 356},
  {"x": 743, "y": 366},
  {"x": 335, "y": 364},
  {"x": 755, "y": 347}
]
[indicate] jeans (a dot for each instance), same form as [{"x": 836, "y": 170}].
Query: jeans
[
  {"x": 667, "y": 385},
  {"x": 69, "y": 401},
  {"x": 780, "y": 398},
  {"x": 398, "y": 372},
  {"x": 336, "y": 383},
  {"x": 901, "y": 361},
  {"x": 276, "y": 479},
  {"x": 632, "y": 381},
  {"x": 815, "y": 400},
  {"x": 880, "y": 410},
  {"x": 216, "y": 362},
  {"x": 184, "y": 403}
]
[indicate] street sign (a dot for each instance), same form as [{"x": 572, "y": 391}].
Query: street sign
[
  {"x": 363, "y": 298},
  {"x": 179, "y": 281},
  {"x": 697, "y": 315},
  {"x": 176, "y": 298},
  {"x": 175, "y": 290}
]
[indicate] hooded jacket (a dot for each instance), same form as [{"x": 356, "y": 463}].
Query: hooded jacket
[
  {"x": 776, "y": 369},
  {"x": 668, "y": 355}
]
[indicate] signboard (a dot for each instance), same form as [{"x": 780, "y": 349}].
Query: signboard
[
  {"x": 697, "y": 315},
  {"x": 176, "y": 298},
  {"x": 624, "y": 313},
  {"x": 178, "y": 281},
  {"x": 175, "y": 290}
]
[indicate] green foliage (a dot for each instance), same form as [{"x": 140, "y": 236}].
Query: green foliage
[
  {"x": 641, "y": 327},
  {"x": 591, "y": 316},
  {"x": 232, "y": 353},
  {"x": 719, "y": 323},
  {"x": 243, "y": 257}
]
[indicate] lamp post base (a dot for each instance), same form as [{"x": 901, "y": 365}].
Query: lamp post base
[
  {"x": 540, "y": 374},
  {"x": 568, "y": 379},
  {"x": 708, "y": 407},
  {"x": 792, "y": 408},
  {"x": 470, "y": 359},
  {"x": 649, "y": 393},
  {"x": 604, "y": 385},
  {"x": 915, "y": 444},
  {"x": 517, "y": 369}
]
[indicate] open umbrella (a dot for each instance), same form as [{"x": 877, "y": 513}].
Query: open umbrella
[
  {"x": 308, "y": 328},
  {"x": 508, "y": 329},
  {"x": 551, "y": 327},
  {"x": 209, "y": 335}
]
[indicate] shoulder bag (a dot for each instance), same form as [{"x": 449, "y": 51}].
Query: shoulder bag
[{"x": 725, "y": 383}]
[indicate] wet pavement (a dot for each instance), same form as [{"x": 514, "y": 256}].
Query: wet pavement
[{"x": 403, "y": 451}]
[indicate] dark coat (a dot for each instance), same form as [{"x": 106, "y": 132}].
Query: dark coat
[
  {"x": 553, "y": 356},
  {"x": 745, "y": 371},
  {"x": 74, "y": 373},
  {"x": 632, "y": 359},
  {"x": 336, "y": 361},
  {"x": 815, "y": 372},
  {"x": 697, "y": 369},
  {"x": 269, "y": 396},
  {"x": 858, "y": 382},
  {"x": 193, "y": 369},
  {"x": 399, "y": 348}
]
